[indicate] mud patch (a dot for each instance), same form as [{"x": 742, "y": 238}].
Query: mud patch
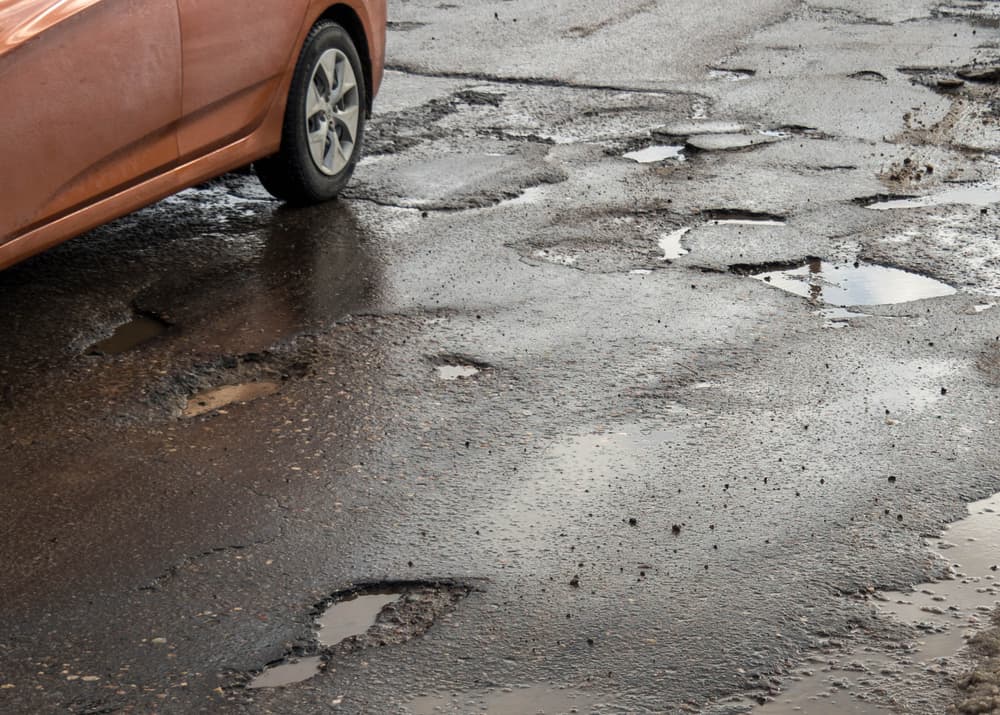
[
  {"x": 507, "y": 701},
  {"x": 654, "y": 154},
  {"x": 128, "y": 336},
  {"x": 845, "y": 284},
  {"x": 216, "y": 399}
]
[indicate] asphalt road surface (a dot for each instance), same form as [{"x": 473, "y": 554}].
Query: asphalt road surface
[{"x": 534, "y": 422}]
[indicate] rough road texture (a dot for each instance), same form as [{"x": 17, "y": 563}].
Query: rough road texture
[{"x": 671, "y": 484}]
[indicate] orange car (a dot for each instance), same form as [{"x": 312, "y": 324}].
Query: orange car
[{"x": 109, "y": 105}]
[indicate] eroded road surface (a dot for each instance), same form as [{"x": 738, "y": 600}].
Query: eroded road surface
[{"x": 638, "y": 371}]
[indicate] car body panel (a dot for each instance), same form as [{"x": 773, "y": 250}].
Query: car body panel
[
  {"x": 223, "y": 127},
  {"x": 60, "y": 147}
]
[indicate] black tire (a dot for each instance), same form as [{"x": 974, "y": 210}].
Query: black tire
[{"x": 292, "y": 174}]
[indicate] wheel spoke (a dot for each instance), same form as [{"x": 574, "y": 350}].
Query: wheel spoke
[
  {"x": 332, "y": 152},
  {"x": 328, "y": 67},
  {"x": 348, "y": 119},
  {"x": 317, "y": 141},
  {"x": 315, "y": 103}
]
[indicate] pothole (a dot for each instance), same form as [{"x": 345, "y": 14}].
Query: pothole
[
  {"x": 219, "y": 397},
  {"x": 658, "y": 153},
  {"x": 741, "y": 217},
  {"x": 560, "y": 259},
  {"x": 731, "y": 142},
  {"x": 971, "y": 195},
  {"x": 730, "y": 75},
  {"x": 693, "y": 127},
  {"x": 845, "y": 284},
  {"x": 506, "y": 701},
  {"x": 945, "y": 613},
  {"x": 295, "y": 670},
  {"x": 457, "y": 367},
  {"x": 670, "y": 244},
  {"x": 368, "y": 616},
  {"x": 130, "y": 335}
]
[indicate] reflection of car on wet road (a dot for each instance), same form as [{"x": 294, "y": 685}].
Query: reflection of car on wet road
[{"x": 113, "y": 104}]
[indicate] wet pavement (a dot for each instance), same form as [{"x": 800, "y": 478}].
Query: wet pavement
[{"x": 546, "y": 414}]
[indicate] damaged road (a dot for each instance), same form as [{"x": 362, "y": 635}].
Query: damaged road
[{"x": 630, "y": 375}]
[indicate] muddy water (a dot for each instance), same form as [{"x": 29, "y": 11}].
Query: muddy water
[
  {"x": 944, "y": 613},
  {"x": 290, "y": 673},
  {"x": 975, "y": 195},
  {"x": 128, "y": 336},
  {"x": 653, "y": 154},
  {"x": 846, "y": 284},
  {"x": 220, "y": 397},
  {"x": 509, "y": 701},
  {"x": 353, "y": 617}
]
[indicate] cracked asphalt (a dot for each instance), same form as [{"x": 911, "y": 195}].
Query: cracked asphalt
[{"x": 659, "y": 484}]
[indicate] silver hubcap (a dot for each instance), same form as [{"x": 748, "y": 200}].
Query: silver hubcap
[{"x": 332, "y": 112}]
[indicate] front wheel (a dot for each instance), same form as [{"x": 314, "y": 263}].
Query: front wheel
[{"x": 324, "y": 122}]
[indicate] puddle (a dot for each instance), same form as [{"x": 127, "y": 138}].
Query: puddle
[
  {"x": 129, "y": 335},
  {"x": 946, "y": 612},
  {"x": 653, "y": 154},
  {"x": 290, "y": 673},
  {"x": 509, "y": 701},
  {"x": 749, "y": 222},
  {"x": 212, "y": 400},
  {"x": 457, "y": 372},
  {"x": 731, "y": 75},
  {"x": 983, "y": 307},
  {"x": 846, "y": 284},
  {"x": 671, "y": 246},
  {"x": 353, "y": 617},
  {"x": 974, "y": 195}
]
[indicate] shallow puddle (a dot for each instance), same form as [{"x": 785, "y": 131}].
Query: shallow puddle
[
  {"x": 855, "y": 284},
  {"x": 653, "y": 154},
  {"x": 296, "y": 671},
  {"x": 973, "y": 195},
  {"x": 671, "y": 246},
  {"x": 215, "y": 399},
  {"x": 456, "y": 372},
  {"x": 129, "y": 335},
  {"x": 729, "y": 142},
  {"x": 353, "y": 617},
  {"x": 509, "y": 701},
  {"x": 946, "y": 612},
  {"x": 692, "y": 127}
]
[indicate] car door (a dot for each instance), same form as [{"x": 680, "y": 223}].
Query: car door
[
  {"x": 234, "y": 54},
  {"x": 91, "y": 96}
]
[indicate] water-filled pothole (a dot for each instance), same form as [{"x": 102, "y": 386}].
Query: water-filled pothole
[
  {"x": 945, "y": 613},
  {"x": 741, "y": 217},
  {"x": 970, "y": 195},
  {"x": 352, "y": 616},
  {"x": 846, "y": 284},
  {"x": 457, "y": 372},
  {"x": 296, "y": 670},
  {"x": 129, "y": 335},
  {"x": 506, "y": 701},
  {"x": 219, "y": 397},
  {"x": 653, "y": 154},
  {"x": 670, "y": 244}
]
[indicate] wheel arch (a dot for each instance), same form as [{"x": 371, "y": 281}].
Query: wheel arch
[{"x": 346, "y": 17}]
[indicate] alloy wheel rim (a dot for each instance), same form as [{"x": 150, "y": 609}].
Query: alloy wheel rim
[{"x": 333, "y": 112}]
